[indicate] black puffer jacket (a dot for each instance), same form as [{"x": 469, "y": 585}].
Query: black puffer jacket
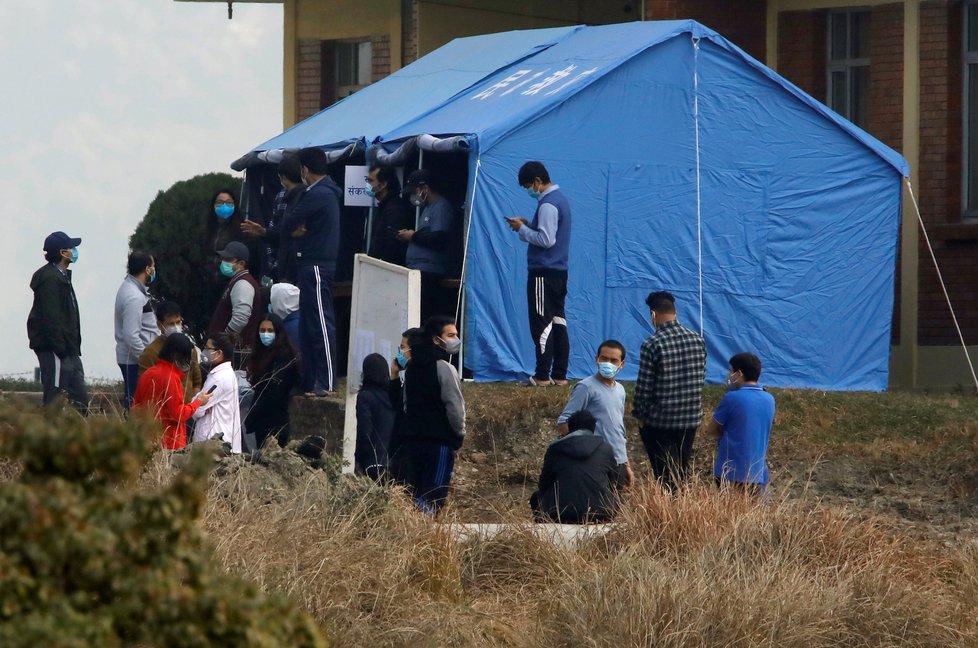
[
  {"x": 577, "y": 482},
  {"x": 53, "y": 323},
  {"x": 433, "y": 406}
]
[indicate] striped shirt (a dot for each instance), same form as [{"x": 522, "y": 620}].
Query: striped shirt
[{"x": 671, "y": 372}]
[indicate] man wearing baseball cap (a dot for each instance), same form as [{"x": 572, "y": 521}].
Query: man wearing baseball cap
[
  {"x": 240, "y": 309},
  {"x": 53, "y": 325}
]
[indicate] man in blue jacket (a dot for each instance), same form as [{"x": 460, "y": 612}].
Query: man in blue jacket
[
  {"x": 548, "y": 236},
  {"x": 314, "y": 225},
  {"x": 53, "y": 325}
]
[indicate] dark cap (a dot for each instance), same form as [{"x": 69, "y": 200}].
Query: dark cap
[
  {"x": 235, "y": 250},
  {"x": 418, "y": 178},
  {"x": 315, "y": 160},
  {"x": 60, "y": 241}
]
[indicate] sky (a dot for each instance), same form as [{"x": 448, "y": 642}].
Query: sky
[{"x": 105, "y": 103}]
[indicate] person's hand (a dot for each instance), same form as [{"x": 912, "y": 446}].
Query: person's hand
[
  {"x": 515, "y": 222},
  {"x": 405, "y": 235},
  {"x": 251, "y": 228},
  {"x": 628, "y": 477},
  {"x": 299, "y": 231},
  {"x": 203, "y": 398},
  {"x": 395, "y": 369}
]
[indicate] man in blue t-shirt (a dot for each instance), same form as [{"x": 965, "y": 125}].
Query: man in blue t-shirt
[{"x": 742, "y": 426}]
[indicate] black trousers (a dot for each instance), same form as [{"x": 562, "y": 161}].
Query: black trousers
[
  {"x": 63, "y": 376},
  {"x": 545, "y": 294},
  {"x": 669, "y": 452},
  {"x": 317, "y": 335},
  {"x": 426, "y": 468}
]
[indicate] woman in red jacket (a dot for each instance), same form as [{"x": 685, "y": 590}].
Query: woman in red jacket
[{"x": 160, "y": 389}]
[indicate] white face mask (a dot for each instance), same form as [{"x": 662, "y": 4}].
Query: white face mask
[
  {"x": 452, "y": 345},
  {"x": 170, "y": 330}
]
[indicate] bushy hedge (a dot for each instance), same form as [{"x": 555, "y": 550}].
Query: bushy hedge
[{"x": 87, "y": 559}]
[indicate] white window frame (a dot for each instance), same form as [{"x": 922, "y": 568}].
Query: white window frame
[
  {"x": 364, "y": 65},
  {"x": 846, "y": 64}
]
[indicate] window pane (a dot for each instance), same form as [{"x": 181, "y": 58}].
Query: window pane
[
  {"x": 346, "y": 64},
  {"x": 837, "y": 93},
  {"x": 859, "y": 34},
  {"x": 365, "y": 63},
  {"x": 972, "y": 27},
  {"x": 972, "y": 143},
  {"x": 837, "y": 36},
  {"x": 859, "y": 95}
]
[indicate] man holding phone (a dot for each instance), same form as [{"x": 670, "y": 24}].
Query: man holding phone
[{"x": 548, "y": 235}]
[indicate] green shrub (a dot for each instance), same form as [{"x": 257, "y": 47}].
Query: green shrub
[{"x": 86, "y": 559}]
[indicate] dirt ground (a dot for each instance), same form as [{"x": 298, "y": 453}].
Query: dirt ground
[{"x": 904, "y": 459}]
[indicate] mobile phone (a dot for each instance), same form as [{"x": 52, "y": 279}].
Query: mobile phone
[{"x": 211, "y": 390}]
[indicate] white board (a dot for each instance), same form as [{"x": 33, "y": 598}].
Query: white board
[{"x": 386, "y": 302}]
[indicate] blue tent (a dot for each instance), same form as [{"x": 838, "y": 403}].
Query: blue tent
[{"x": 690, "y": 167}]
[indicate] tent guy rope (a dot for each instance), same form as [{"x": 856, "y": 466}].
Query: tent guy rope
[
  {"x": 940, "y": 278},
  {"x": 696, "y": 123}
]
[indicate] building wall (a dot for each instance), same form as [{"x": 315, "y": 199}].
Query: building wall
[{"x": 742, "y": 22}]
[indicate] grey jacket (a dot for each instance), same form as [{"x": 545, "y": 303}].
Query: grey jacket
[{"x": 135, "y": 321}]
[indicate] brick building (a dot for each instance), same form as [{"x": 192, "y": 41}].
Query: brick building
[{"x": 906, "y": 71}]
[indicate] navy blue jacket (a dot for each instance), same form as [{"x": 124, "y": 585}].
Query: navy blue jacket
[{"x": 319, "y": 210}]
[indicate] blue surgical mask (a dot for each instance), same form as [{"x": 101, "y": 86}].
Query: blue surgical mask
[
  {"x": 370, "y": 191},
  {"x": 533, "y": 193},
  {"x": 152, "y": 277},
  {"x": 224, "y": 212},
  {"x": 227, "y": 269},
  {"x": 266, "y": 338},
  {"x": 401, "y": 358},
  {"x": 74, "y": 255},
  {"x": 607, "y": 370}
]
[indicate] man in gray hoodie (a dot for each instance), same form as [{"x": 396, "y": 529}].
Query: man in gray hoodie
[{"x": 135, "y": 321}]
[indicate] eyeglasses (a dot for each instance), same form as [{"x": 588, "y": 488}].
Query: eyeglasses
[{"x": 223, "y": 202}]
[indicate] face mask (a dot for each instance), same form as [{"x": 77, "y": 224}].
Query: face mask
[
  {"x": 170, "y": 330},
  {"x": 732, "y": 383},
  {"x": 607, "y": 369},
  {"x": 370, "y": 191},
  {"x": 183, "y": 366},
  {"x": 452, "y": 345},
  {"x": 266, "y": 338},
  {"x": 224, "y": 211},
  {"x": 417, "y": 199},
  {"x": 227, "y": 269},
  {"x": 401, "y": 359},
  {"x": 207, "y": 357},
  {"x": 152, "y": 277},
  {"x": 74, "y": 255},
  {"x": 533, "y": 193}
]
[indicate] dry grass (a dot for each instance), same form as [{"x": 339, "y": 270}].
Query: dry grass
[{"x": 700, "y": 568}]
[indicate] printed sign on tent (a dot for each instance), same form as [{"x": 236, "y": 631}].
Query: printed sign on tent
[{"x": 355, "y": 187}]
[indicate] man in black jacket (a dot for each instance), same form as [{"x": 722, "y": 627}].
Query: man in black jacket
[
  {"x": 390, "y": 217},
  {"x": 53, "y": 325},
  {"x": 434, "y": 415},
  {"x": 579, "y": 476}
]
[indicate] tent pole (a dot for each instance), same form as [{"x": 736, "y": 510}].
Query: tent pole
[
  {"x": 417, "y": 210},
  {"x": 699, "y": 220},
  {"x": 460, "y": 301}
]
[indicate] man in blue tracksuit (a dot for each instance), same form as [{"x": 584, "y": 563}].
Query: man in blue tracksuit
[
  {"x": 548, "y": 235},
  {"x": 314, "y": 225}
]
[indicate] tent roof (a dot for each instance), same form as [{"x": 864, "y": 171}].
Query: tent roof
[
  {"x": 415, "y": 89},
  {"x": 490, "y": 85}
]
